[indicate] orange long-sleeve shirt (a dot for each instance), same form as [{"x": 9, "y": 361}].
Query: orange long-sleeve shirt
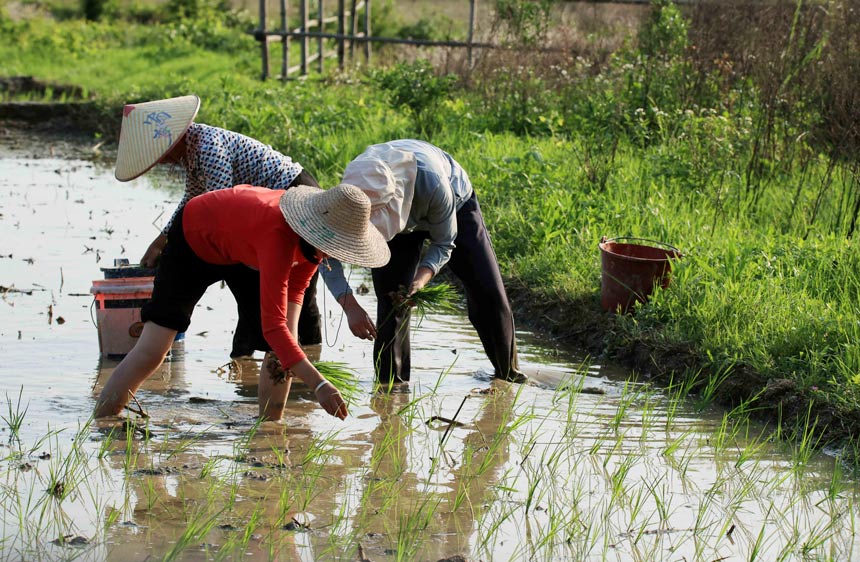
[{"x": 245, "y": 225}]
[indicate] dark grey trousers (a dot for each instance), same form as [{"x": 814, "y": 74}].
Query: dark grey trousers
[{"x": 474, "y": 263}]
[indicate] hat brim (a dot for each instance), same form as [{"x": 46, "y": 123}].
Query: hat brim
[{"x": 301, "y": 208}]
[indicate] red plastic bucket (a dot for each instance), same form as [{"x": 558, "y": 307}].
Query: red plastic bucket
[{"x": 631, "y": 271}]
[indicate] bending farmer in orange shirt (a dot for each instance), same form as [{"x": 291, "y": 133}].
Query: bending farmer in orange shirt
[{"x": 282, "y": 234}]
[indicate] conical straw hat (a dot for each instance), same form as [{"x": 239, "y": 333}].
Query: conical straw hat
[
  {"x": 149, "y": 130},
  {"x": 336, "y": 221}
]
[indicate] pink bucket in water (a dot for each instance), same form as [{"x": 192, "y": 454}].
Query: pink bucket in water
[{"x": 118, "y": 303}]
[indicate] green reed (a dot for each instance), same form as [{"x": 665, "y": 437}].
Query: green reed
[
  {"x": 14, "y": 417},
  {"x": 808, "y": 439},
  {"x": 199, "y": 524},
  {"x": 411, "y": 526},
  {"x": 629, "y": 395},
  {"x": 242, "y": 447}
]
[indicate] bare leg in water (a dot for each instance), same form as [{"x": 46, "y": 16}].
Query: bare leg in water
[
  {"x": 274, "y": 387},
  {"x": 144, "y": 358}
]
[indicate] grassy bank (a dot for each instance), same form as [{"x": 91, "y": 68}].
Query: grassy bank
[{"x": 751, "y": 174}]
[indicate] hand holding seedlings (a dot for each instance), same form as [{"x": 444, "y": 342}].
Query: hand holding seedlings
[
  {"x": 402, "y": 298},
  {"x": 344, "y": 379},
  {"x": 330, "y": 399},
  {"x": 440, "y": 297}
]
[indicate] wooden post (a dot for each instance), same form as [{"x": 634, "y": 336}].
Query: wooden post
[
  {"x": 354, "y": 32},
  {"x": 264, "y": 41},
  {"x": 472, "y": 6},
  {"x": 321, "y": 27},
  {"x": 367, "y": 32},
  {"x": 341, "y": 29},
  {"x": 304, "y": 16},
  {"x": 285, "y": 43}
]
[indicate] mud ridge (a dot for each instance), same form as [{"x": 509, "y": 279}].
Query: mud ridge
[{"x": 583, "y": 325}]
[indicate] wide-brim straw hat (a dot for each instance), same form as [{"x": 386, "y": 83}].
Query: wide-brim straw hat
[
  {"x": 149, "y": 130},
  {"x": 387, "y": 175},
  {"x": 337, "y": 222}
]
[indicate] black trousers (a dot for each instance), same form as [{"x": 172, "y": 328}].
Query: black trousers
[
  {"x": 474, "y": 263},
  {"x": 182, "y": 278},
  {"x": 310, "y": 324}
]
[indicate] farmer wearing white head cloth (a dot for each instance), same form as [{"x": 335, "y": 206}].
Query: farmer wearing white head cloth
[
  {"x": 164, "y": 132},
  {"x": 419, "y": 192},
  {"x": 282, "y": 234}
]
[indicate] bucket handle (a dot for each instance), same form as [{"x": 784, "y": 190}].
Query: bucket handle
[{"x": 604, "y": 239}]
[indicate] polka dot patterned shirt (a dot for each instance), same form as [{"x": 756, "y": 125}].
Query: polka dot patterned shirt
[{"x": 221, "y": 159}]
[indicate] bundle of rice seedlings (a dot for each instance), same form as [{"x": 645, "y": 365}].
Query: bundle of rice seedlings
[
  {"x": 342, "y": 377},
  {"x": 439, "y": 297}
]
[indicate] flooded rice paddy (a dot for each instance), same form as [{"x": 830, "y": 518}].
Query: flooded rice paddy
[{"x": 578, "y": 465}]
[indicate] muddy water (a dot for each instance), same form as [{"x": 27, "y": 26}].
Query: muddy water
[{"x": 578, "y": 465}]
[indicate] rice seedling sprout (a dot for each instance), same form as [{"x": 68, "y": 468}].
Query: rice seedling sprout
[{"x": 431, "y": 299}]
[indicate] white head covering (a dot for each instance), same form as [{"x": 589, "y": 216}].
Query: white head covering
[
  {"x": 149, "y": 130},
  {"x": 387, "y": 175}
]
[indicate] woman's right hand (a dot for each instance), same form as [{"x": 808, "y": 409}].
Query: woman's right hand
[{"x": 330, "y": 399}]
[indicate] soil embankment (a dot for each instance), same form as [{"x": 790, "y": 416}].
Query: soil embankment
[
  {"x": 583, "y": 324},
  {"x": 75, "y": 127}
]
